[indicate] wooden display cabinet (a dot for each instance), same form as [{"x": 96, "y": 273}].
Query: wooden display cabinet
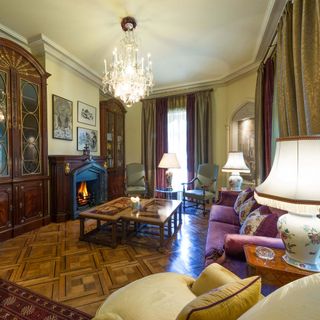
[
  {"x": 112, "y": 139},
  {"x": 23, "y": 141}
]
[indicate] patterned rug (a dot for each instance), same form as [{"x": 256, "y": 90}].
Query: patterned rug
[{"x": 19, "y": 303}]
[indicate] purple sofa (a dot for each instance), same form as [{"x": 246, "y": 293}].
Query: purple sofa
[{"x": 224, "y": 244}]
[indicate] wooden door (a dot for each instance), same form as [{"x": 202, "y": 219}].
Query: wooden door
[
  {"x": 30, "y": 201},
  {"x": 5, "y": 211}
]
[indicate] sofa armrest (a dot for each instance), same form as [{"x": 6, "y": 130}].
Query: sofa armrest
[
  {"x": 233, "y": 243},
  {"x": 227, "y": 198}
]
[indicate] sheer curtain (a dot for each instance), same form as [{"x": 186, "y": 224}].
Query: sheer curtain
[{"x": 177, "y": 138}]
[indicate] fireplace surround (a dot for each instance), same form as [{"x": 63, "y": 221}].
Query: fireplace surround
[
  {"x": 66, "y": 173},
  {"x": 93, "y": 175}
]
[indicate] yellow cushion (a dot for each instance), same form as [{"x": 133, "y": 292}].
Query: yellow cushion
[
  {"x": 295, "y": 301},
  {"x": 159, "y": 296},
  {"x": 212, "y": 277},
  {"x": 227, "y": 302}
]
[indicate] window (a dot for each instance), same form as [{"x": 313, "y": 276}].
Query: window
[{"x": 177, "y": 143}]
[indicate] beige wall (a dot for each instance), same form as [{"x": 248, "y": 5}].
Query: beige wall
[
  {"x": 68, "y": 84},
  {"x": 133, "y": 133}
]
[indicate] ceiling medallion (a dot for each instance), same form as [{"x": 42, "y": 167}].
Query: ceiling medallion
[{"x": 127, "y": 78}]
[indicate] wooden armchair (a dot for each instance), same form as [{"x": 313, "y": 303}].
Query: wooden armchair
[{"x": 204, "y": 186}]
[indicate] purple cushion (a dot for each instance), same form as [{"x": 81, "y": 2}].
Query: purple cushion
[
  {"x": 223, "y": 214},
  {"x": 216, "y": 234},
  {"x": 233, "y": 243},
  {"x": 268, "y": 227},
  {"x": 278, "y": 212}
]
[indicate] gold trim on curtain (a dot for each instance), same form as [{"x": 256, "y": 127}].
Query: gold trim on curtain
[
  {"x": 148, "y": 142},
  {"x": 203, "y": 127},
  {"x": 298, "y": 68},
  {"x": 177, "y": 102},
  {"x": 259, "y": 135}
]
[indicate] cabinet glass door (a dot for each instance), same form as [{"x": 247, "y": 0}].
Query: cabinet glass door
[
  {"x": 110, "y": 139},
  {"x": 30, "y": 113},
  {"x": 4, "y": 146},
  {"x": 119, "y": 142}
]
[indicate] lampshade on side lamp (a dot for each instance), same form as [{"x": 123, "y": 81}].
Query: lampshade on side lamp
[
  {"x": 169, "y": 161},
  {"x": 294, "y": 185},
  {"x": 235, "y": 164}
]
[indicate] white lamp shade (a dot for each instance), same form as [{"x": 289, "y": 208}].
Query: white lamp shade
[
  {"x": 294, "y": 181},
  {"x": 169, "y": 160},
  {"x": 235, "y": 162}
]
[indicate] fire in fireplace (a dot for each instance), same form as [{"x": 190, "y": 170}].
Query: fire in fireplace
[
  {"x": 88, "y": 187},
  {"x": 83, "y": 196}
]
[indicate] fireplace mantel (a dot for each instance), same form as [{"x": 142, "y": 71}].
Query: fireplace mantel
[{"x": 61, "y": 169}]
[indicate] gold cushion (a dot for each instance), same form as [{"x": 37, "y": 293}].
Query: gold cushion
[
  {"x": 227, "y": 302},
  {"x": 212, "y": 277},
  {"x": 160, "y": 296}
]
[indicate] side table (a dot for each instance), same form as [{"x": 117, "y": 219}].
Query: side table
[
  {"x": 276, "y": 271},
  {"x": 171, "y": 194}
]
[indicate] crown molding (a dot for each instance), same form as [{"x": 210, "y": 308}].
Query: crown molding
[
  {"x": 8, "y": 33},
  {"x": 41, "y": 45},
  {"x": 271, "y": 28},
  {"x": 204, "y": 85}
]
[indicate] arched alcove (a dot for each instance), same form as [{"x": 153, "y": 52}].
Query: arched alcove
[{"x": 242, "y": 137}]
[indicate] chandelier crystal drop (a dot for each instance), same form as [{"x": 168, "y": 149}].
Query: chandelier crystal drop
[{"x": 128, "y": 78}]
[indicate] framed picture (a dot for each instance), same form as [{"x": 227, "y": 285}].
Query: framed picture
[
  {"x": 86, "y": 114},
  {"x": 87, "y": 137},
  {"x": 62, "y": 118}
]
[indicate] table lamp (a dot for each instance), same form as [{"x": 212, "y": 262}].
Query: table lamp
[
  {"x": 169, "y": 161},
  {"x": 294, "y": 185},
  {"x": 235, "y": 164}
]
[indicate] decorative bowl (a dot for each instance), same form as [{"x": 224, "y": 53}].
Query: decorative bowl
[{"x": 265, "y": 253}]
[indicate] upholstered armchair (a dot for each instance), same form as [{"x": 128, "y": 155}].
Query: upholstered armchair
[
  {"x": 204, "y": 186},
  {"x": 135, "y": 183}
]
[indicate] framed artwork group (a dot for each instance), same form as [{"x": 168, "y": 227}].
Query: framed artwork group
[{"x": 62, "y": 126}]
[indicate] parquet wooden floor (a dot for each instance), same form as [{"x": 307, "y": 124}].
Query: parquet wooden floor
[{"x": 53, "y": 262}]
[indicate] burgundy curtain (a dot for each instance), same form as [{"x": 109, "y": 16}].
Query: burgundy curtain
[
  {"x": 190, "y": 135},
  {"x": 268, "y": 86},
  {"x": 161, "y": 138}
]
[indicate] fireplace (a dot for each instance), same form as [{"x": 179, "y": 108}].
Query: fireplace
[{"x": 88, "y": 187}]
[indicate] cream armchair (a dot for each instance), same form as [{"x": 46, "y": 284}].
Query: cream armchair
[
  {"x": 172, "y": 296},
  {"x": 162, "y": 296}
]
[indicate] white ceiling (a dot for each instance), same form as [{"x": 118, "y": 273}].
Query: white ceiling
[{"x": 191, "y": 41}]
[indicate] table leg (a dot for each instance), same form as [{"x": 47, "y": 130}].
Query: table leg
[
  {"x": 82, "y": 220},
  {"x": 175, "y": 221},
  {"x": 161, "y": 248},
  {"x": 114, "y": 235},
  {"x": 124, "y": 232},
  {"x": 169, "y": 227},
  {"x": 180, "y": 214}
]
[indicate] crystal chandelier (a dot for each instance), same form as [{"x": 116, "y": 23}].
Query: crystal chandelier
[{"x": 128, "y": 78}]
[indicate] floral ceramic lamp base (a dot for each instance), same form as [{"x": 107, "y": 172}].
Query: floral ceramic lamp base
[
  {"x": 169, "y": 175},
  {"x": 301, "y": 237},
  {"x": 235, "y": 181}
]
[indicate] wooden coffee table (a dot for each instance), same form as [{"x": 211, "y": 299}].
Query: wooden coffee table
[
  {"x": 109, "y": 213},
  {"x": 155, "y": 212},
  {"x": 276, "y": 271},
  {"x": 166, "y": 214}
]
